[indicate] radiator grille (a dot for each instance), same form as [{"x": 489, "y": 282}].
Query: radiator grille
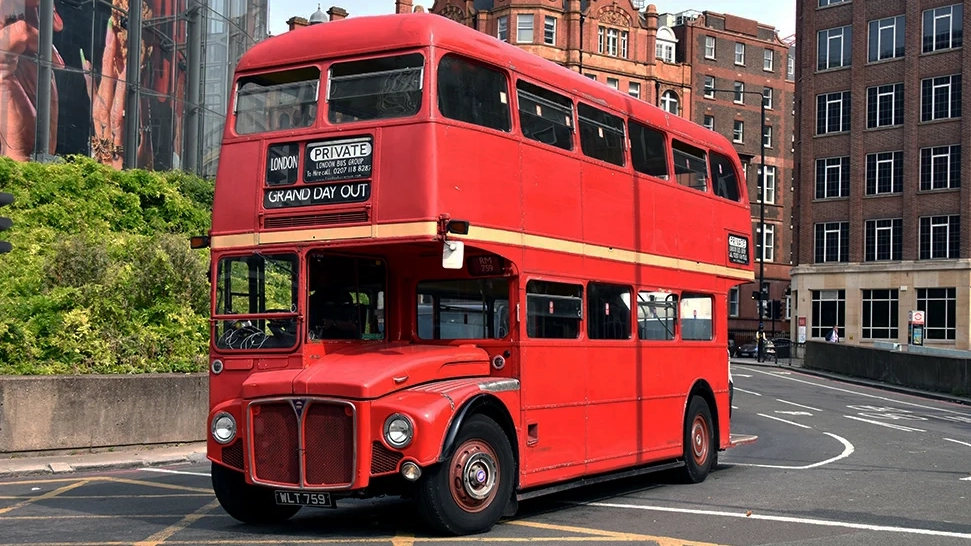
[
  {"x": 383, "y": 460},
  {"x": 233, "y": 455},
  {"x": 329, "y": 441},
  {"x": 276, "y": 453},
  {"x": 329, "y": 219}
]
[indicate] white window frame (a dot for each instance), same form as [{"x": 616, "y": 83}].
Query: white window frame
[
  {"x": 634, "y": 89},
  {"x": 768, "y": 57},
  {"x": 502, "y": 28},
  {"x": 549, "y": 32},
  {"x": 768, "y": 190},
  {"x": 707, "y": 125},
  {"x": 523, "y": 27},
  {"x": 829, "y": 103},
  {"x": 881, "y": 25},
  {"x": 709, "y": 47},
  {"x": 885, "y": 93},
  {"x": 740, "y": 53},
  {"x": 739, "y": 88},
  {"x": 938, "y": 14},
  {"x": 828, "y": 37},
  {"x": 881, "y": 226},
  {"x": 939, "y": 82},
  {"x": 767, "y": 95},
  {"x": 733, "y": 300},
  {"x": 767, "y": 137},
  {"x": 710, "y": 90},
  {"x": 881, "y": 159},
  {"x": 738, "y": 131},
  {"x": 613, "y": 82},
  {"x": 866, "y": 332},
  {"x": 827, "y": 230},
  {"x": 833, "y": 166},
  {"x": 767, "y": 250},
  {"x": 940, "y": 152},
  {"x": 667, "y": 99}
]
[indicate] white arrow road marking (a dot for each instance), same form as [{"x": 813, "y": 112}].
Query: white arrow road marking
[{"x": 888, "y": 425}]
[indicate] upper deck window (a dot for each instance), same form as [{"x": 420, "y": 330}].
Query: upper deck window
[
  {"x": 601, "y": 135},
  {"x": 725, "y": 179},
  {"x": 648, "y": 150},
  {"x": 473, "y": 93},
  {"x": 545, "y": 116},
  {"x": 381, "y": 88},
  {"x": 278, "y": 100},
  {"x": 690, "y": 166}
]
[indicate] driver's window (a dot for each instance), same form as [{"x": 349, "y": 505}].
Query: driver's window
[{"x": 346, "y": 297}]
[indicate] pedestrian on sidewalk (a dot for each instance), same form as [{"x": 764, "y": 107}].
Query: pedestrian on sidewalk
[{"x": 834, "y": 335}]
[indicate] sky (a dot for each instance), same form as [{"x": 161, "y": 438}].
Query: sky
[{"x": 779, "y": 13}]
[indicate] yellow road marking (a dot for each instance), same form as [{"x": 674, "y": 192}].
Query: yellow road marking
[
  {"x": 160, "y": 485},
  {"x": 48, "y": 495},
  {"x": 101, "y": 497},
  {"x": 162, "y": 535},
  {"x": 403, "y": 539},
  {"x": 97, "y": 516},
  {"x": 615, "y": 535}
]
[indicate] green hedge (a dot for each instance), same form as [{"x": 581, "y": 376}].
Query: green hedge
[{"x": 101, "y": 278}]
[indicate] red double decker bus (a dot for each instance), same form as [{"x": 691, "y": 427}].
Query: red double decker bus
[{"x": 451, "y": 270}]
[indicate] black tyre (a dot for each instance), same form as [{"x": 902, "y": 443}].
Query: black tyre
[
  {"x": 468, "y": 493},
  {"x": 245, "y": 502},
  {"x": 700, "y": 449}
]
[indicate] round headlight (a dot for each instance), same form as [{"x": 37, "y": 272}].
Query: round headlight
[
  {"x": 398, "y": 430},
  {"x": 223, "y": 428}
]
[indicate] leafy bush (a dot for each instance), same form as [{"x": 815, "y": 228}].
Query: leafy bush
[{"x": 101, "y": 278}]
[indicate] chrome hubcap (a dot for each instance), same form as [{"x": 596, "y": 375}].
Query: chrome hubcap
[{"x": 479, "y": 476}]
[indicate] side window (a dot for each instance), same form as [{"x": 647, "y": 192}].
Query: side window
[
  {"x": 473, "y": 93},
  {"x": 381, "y": 88},
  {"x": 657, "y": 315},
  {"x": 725, "y": 180},
  {"x": 690, "y": 166},
  {"x": 601, "y": 135},
  {"x": 696, "y": 317},
  {"x": 648, "y": 152},
  {"x": 545, "y": 116},
  {"x": 553, "y": 310},
  {"x": 608, "y": 311}
]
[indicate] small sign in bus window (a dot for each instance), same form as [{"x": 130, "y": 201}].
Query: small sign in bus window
[
  {"x": 343, "y": 159},
  {"x": 737, "y": 249},
  {"x": 282, "y": 164}
]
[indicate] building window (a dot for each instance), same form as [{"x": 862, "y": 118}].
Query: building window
[
  {"x": 833, "y": 48},
  {"x": 940, "y": 237},
  {"x": 833, "y": 113},
  {"x": 829, "y": 310},
  {"x": 940, "y": 98},
  {"x": 767, "y": 93},
  {"x": 739, "y": 92},
  {"x": 709, "y": 47},
  {"x": 940, "y": 168},
  {"x": 832, "y": 242},
  {"x": 884, "y": 173},
  {"x": 880, "y": 314},
  {"x": 634, "y": 89},
  {"x": 664, "y": 51},
  {"x": 767, "y": 243},
  {"x": 767, "y": 57},
  {"x": 613, "y": 82},
  {"x": 767, "y": 137},
  {"x": 832, "y": 177},
  {"x": 943, "y": 28},
  {"x": 769, "y": 189},
  {"x": 611, "y": 40},
  {"x": 549, "y": 30},
  {"x": 709, "y": 122},
  {"x": 738, "y": 132},
  {"x": 884, "y": 239},
  {"x": 824, "y": 3},
  {"x": 791, "y": 72},
  {"x": 733, "y": 301},
  {"x": 886, "y": 39},
  {"x": 788, "y": 307},
  {"x": 740, "y": 53},
  {"x": 669, "y": 102},
  {"x": 940, "y": 312},
  {"x": 524, "y": 28},
  {"x": 885, "y": 105},
  {"x": 503, "y": 28},
  {"x": 709, "y": 87}
]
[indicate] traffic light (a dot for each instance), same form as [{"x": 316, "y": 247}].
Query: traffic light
[
  {"x": 5, "y": 223},
  {"x": 776, "y": 309}
]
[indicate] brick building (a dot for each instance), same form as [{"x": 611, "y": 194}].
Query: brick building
[
  {"x": 612, "y": 42},
  {"x": 883, "y": 201},
  {"x": 734, "y": 62}
]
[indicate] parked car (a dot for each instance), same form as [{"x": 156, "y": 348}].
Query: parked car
[{"x": 751, "y": 350}]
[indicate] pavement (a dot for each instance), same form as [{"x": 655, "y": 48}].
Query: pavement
[{"x": 195, "y": 453}]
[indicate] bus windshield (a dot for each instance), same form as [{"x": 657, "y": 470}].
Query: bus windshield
[
  {"x": 463, "y": 309},
  {"x": 256, "y": 285},
  {"x": 346, "y": 299}
]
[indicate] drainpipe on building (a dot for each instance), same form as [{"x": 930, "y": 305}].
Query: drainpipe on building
[{"x": 42, "y": 131}]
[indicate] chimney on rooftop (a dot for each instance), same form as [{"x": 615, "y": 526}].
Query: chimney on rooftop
[
  {"x": 336, "y": 13},
  {"x": 297, "y": 22},
  {"x": 402, "y": 6}
]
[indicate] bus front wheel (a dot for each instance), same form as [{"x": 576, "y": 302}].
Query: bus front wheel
[
  {"x": 244, "y": 502},
  {"x": 699, "y": 441},
  {"x": 468, "y": 493}
]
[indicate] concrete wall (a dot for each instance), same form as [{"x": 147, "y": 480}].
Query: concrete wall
[
  {"x": 72, "y": 412},
  {"x": 920, "y": 371}
]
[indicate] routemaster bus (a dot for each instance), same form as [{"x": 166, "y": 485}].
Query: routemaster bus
[{"x": 447, "y": 269}]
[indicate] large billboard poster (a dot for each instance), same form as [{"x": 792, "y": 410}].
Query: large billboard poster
[{"x": 89, "y": 92}]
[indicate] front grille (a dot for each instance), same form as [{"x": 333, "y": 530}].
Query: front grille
[
  {"x": 383, "y": 460},
  {"x": 328, "y": 219},
  {"x": 329, "y": 440},
  {"x": 233, "y": 455},
  {"x": 323, "y": 432}
]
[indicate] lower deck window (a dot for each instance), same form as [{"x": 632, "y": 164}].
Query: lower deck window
[
  {"x": 249, "y": 291},
  {"x": 346, "y": 297},
  {"x": 463, "y": 309},
  {"x": 553, "y": 310}
]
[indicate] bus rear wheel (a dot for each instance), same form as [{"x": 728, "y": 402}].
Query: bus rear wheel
[
  {"x": 247, "y": 503},
  {"x": 468, "y": 493},
  {"x": 699, "y": 441}
]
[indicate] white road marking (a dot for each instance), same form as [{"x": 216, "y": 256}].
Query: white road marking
[
  {"x": 797, "y": 405},
  {"x": 791, "y": 412},
  {"x": 742, "y": 375},
  {"x": 888, "y": 425},
  {"x": 958, "y": 442},
  {"x": 848, "y": 391},
  {"x": 848, "y": 450},
  {"x": 784, "y": 519},
  {"x": 968, "y": 479},
  {"x": 166, "y": 471},
  {"x": 734, "y": 407},
  {"x": 783, "y": 420},
  {"x": 747, "y": 392}
]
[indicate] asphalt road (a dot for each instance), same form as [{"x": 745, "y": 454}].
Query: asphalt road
[{"x": 835, "y": 465}]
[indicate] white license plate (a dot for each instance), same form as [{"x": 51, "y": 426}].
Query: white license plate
[{"x": 302, "y": 498}]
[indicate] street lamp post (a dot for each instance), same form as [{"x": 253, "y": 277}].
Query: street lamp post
[{"x": 763, "y": 297}]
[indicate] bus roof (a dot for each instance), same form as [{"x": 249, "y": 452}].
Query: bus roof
[{"x": 369, "y": 34}]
